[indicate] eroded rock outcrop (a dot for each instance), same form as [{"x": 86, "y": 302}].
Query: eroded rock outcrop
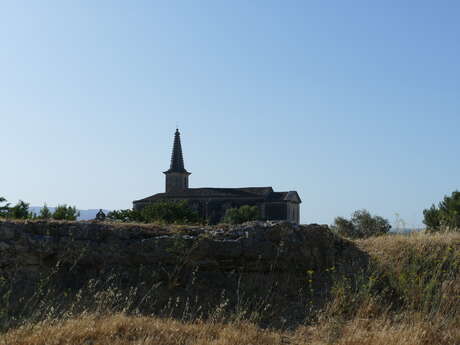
[
  {"x": 278, "y": 271},
  {"x": 251, "y": 247}
]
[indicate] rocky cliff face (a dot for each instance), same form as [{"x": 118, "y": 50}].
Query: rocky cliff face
[
  {"x": 284, "y": 266},
  {"x": 34, "y": 246}
]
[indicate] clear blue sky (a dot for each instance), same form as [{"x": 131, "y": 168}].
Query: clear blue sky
[{"x": 354, "y": 104}]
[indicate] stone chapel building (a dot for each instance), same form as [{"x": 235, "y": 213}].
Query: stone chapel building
[{"x": 211, "y": 203}]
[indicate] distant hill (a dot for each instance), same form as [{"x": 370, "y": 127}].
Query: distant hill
[{"x": 84, "y": 214}]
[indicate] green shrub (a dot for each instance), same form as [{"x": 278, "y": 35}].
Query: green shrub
[
  {"x": 361, "y": 225},
  {"x": 125, "y": 216},
  {"x": 45, "y": 213},
  {"x": 163, "y": 212},
  {"x": 4, "y": 209},
  {"x": 240, "y": 215},
  {"x": 64, "y": 212},
  {"x": 169, "y": 212},
  {"x": 19, "y": 211}
]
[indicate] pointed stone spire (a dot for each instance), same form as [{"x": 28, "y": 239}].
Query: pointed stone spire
[
  {"x": 177, "y": 160},
  {"x": 176, "y": 176}
]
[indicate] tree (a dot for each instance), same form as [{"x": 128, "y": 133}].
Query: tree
[
  {"x": 64, "y": 212},
  {"x": 4, "y": 209},
  {"x": 240, "y": 215},
  {"x": 431, "y": 217},
  {"x": 125, "y": 216},
  {"x": 446, "y": 215},
  {"x": 45, "y": 213},
  {"x": 163, "y": 211},
  {"x": 169, "y": 212},
  {"x": 361, "y": 225},
  {"x": 344, "y": 227},
  {"x": 19, "y": 211}
]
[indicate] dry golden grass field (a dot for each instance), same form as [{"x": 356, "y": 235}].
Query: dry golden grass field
[{"x": 121, "y": 329}]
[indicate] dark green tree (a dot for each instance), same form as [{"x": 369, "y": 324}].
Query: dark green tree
[
  {"x": 125, "y": 216},
  {"x": 4, "y": 209},
  {"x": 449, "y": 209},
  {"x": 446, "y": 215},
  {"x": 169, "y": 212},
  {"x": 361, "y": 225},
  {"x": 64, "y": 212},
  {"x": 240, "y": 215},
  {"x": 431, "y": 218},
  {"x": 45, "y": 213},
  {"x": 19, "y": 211},
  {"x": 344, "y": 227}
]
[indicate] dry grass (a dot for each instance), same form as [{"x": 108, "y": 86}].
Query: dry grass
[
  {"x": 121, "y": 329},
  {"x": 423, "y": 267},
  {"x": 393, "y": 249},
  {"x": 136, "y": 330}
]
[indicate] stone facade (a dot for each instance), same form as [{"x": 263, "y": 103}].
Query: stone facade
[{"x": 211, "y": 203}]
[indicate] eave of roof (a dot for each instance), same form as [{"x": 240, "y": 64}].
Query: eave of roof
[{"x": 260, "y": 193}]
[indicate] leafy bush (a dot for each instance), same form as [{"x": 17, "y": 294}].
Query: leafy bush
[
  {"x": 19, "y": 211},
  {"x": 64, "y": 212},
  {"x": 169, "y": 212},
  {"x": 125, "y": 216},
  {"x": 361, "y": 225},
  {"x": 446, "y": 215},
  {"x": 45, "y": 213},
  {"x": 3, "y": 209},
  {"x": 240, "y": 215},
  {"x": 163, "y": 211}
]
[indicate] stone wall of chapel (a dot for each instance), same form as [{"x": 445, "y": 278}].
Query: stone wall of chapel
[{"x": 276, "y": 211}]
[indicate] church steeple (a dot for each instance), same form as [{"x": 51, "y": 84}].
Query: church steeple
[
  {"x": 177, "y": 160},
  {"x": 176, "y": 176}
]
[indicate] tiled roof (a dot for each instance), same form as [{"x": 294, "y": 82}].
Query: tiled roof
[
  {"x": 261, "y": 193},
  {"x": 277, "y": 196},
  {"x": 257, "y": 190}
]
